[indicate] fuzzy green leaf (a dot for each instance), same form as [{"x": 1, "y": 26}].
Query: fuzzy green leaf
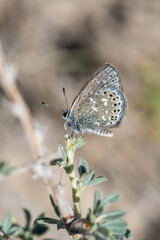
[
  {"x": 27, "y": 235},
  {"x": 128, "y": 234},
  {"x": 7, "y": 223},
  {"x": 41, "y": 215},
  {"x": 56, "y": 209},
  {"x": 48, "y": 239},
  {"x": 114, "y": 215},
  {"x": 93, "y": 228},
  {"x": 27, "y": 218},
  {"x": 62, "y": 153},
  {"x": 14, "y": 229},
  {"x": 6, "y": 168},
  {"x": 92, "y": 238},
  {"x": 122, "y": 238},
  {"x": 43, "y": 220},
  {"x": 92, "y": 219},
  {"x": 78, "y": 143},
  {"x": 96, "y": 181},
  {"x": 101, "y": 234},
  {"x": 82, "y": 167},
  {"x": 87, "y": 177},
  {"x": 60, "y": 224},
  {"x": 115, "y": 227},
  {"x": 57, "y": 161},
  {"x": 97, "y": 200},
  {"x": 39, "y": 229},
  {"x": 108, "y": 200}
]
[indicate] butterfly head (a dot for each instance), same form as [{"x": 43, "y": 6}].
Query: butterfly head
[{"x": 65, "y": 113}]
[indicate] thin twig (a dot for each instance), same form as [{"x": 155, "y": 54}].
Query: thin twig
[
  {"x": 28, "y": 166},
  {"x": 8, "y": 83}
]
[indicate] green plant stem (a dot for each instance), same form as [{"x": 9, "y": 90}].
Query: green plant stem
[{"x": 72, "y": 176}]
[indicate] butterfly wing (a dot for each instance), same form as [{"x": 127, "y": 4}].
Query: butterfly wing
[
  {"x": 105, "y": 76},
  {"x": 100, "y": 104}
]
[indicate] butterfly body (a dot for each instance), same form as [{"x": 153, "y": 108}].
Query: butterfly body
[{"x": 99, "y": 106}]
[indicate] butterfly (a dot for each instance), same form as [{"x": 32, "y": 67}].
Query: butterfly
[{"x": 100, "y": 104}]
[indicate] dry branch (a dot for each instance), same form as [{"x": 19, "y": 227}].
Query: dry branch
[{"x": 41, "y": 168}]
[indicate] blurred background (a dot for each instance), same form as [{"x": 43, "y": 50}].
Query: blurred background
[{"x": 58, "y": 44}]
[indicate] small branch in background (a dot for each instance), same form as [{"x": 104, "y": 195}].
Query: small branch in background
[
  {"x": 13, "y": 171},
  {"x": 8, "y": 74},
  {"x": 33, "y": 131}
]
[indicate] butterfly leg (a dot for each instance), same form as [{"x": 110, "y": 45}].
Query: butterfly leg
[
  {"x": 73, "y": 134},
  {"x": 76, "y": 134},
  {"x": 65, "y": 128}
]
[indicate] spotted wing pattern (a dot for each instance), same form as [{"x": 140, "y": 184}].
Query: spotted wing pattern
[{"x": 100, "y": 104}]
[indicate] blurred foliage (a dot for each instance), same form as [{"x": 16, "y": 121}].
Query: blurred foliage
[
  {"x": 149, "y": 74},
  {"x": 75, "y": 61},
  {"x": 5, "y": 168},
  {"x": 10, "y": 229},
  {"x": 59, "y": 222},
  {"x": 107, "y": 224},
  {"x": 98, "y": 224}
]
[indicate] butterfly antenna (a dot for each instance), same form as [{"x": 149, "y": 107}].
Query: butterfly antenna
[
  {"x": 49, "y": 105},
  {"x": 64, "y": 93}
]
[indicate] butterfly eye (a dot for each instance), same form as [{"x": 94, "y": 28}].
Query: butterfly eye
[{"x": 64, "y": 114}]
